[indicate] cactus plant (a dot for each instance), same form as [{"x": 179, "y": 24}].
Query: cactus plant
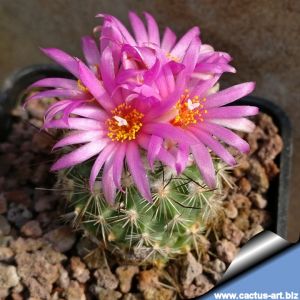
[
  {"x": 183, "y": 208},
  {"x": 153, "y": 114}
]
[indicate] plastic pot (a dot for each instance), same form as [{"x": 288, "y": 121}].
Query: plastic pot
[{"x": 278, "y": 194}]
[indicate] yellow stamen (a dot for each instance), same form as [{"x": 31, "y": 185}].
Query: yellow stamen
[
  {"x": 125, "y": 123},
  {"x": 172, "y": 57},
  {"x": 81, "y": 86},
  {"x": 189, "y": 110}
]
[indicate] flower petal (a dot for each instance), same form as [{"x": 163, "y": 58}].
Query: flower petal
[
  {"x": 118, "y": 164},
  {"x": 138, "y": 171},
  {"x": 91, "y": 112},
  {"x": 143, "y": 90},
  {"x": 107, "y": 70},
  {"x": 135, "y": 56},
  {"x": 168, "y": 40},
  {"x": 68, "y": 110},
  {"x": 204, "y": 86},
  {"x": 62, "y": 93},
  {"x": 168, "y": 131},
  {"x": 99, "y": 162},
  {"x": 90, "y": 51},
  {"x": 191, "y": 56},
  {"x": 95, "y": 87},
  {"x": 79, "y": 137},
  {"x": 241, "y": 124},
  {"x": 118, "y": 25},
  {"x": 227, "y": 136},
  {"x": 182, "y": 156},
  {"x": 54, "y": 109},
  {"x": 108, "y": 186},
  {"x": 214, "y": 145},
  {"x": 229, "y": 112},
  {"x": 215, "y": 68},
  {"x": 151, "y": 75},
  {"x": 154, "y": 147},
  {"x": 204, "y": 163},
  {"x": 79, "y": 155},
  {"x": 229, "y": 95},
  {"x": 138, "y": 28},
  {"x": 163, "y": 155},
  {"x": 153, "y": 31},
  {"x": 166, "y": 158},
  {"x": 183, "y": 44},
  {"x": 56, "y": 83},
  {"x": 75, "y": 123},
  {"x": 64, "y": 59},
  {"x": 164, "y": 106},
  {"x": 169, "y": 77}
]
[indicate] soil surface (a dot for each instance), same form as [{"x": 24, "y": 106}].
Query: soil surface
[{"x": 41, "y": 257}]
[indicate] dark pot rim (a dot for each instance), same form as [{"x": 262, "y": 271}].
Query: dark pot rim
[{"x": 17, "y": 83}]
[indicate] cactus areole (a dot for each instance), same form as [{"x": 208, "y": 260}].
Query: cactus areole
[{"x": 145, "y": 126}]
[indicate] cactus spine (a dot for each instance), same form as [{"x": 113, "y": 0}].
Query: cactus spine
[{"x": 183, "y": 208}]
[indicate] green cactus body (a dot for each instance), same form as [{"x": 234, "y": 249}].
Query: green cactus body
[{"x": 182, "y": 209}]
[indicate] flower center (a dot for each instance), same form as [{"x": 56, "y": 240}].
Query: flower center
[
  {"x": 190, "y": 110},
  {"x": 125, "y": 123}
]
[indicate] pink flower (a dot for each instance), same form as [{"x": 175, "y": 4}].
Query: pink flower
[
  {"x": 115, "y": 129},
  {"x": 115, "y": 34},
  {"x": 145, "y": 94},
  {"x": 72, "y": 93},
  {"x": 205, "y": 118}
]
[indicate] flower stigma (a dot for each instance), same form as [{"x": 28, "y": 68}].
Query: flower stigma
[
  {"x": 121, "y": 121},
  {"x": 125, "y": 123}
]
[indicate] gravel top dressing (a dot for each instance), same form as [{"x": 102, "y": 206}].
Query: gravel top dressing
[{"x": 41, "y": 257}]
